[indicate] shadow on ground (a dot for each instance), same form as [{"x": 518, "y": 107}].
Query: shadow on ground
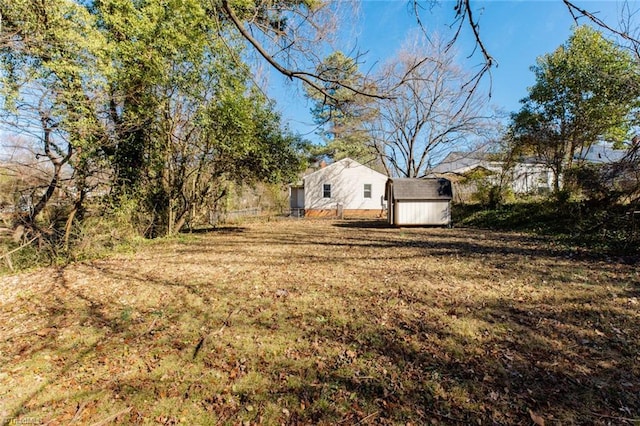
[{"x": 328, "y": 323}]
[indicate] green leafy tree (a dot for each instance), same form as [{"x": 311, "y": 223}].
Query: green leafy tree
[
  {"x": 52, "y": 63},
  {"x": 342, "y": 113},
  {"x": 152, "y": 96},
  {"x": 187, "y": 121},
  {"x": 587, "y": 91}
]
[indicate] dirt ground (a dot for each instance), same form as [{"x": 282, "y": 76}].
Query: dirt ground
[{"x": 325, "y": 322}]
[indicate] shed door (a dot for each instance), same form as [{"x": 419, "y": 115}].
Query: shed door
[{"x": 423, "y": 213}]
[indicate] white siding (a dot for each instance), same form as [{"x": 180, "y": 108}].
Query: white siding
[
  {"x": 528, "y": 178},
  {"x": 347, "y": 179},
  {"x": 422, "y": 213}
]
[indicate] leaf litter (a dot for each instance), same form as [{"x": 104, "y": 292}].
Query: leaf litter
[{"x": 325, "y": 322}]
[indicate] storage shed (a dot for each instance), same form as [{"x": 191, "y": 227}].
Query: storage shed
[{"x": 419, "y": 201}]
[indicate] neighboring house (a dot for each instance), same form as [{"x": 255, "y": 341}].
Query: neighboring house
[
  {"x": 526, "y": 176},
  {"x": 599, "y": 154},
  {"x": 419, "y": 201},
  {"x": 343, "y": 188}
]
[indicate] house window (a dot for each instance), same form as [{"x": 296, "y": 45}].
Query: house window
[
  {"x": 367, "y": 190},
  {"x": 326, "y": 190}
]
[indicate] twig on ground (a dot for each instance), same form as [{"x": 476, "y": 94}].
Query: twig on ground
[
  {"x": 203, "y": 339},
  {"x": 624, "y": 419},
  {"x": 153, "y": 323},
  {"x": 19, "y": 248},
  {"x": 367, "y": 417},
  {"x": 199, "y": 346},
  {"x": 112, "y": 417},
  {"x": 79, "y": 411}
]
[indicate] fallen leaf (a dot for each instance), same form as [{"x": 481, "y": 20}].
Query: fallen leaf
[{"x": 538, "y": 420}]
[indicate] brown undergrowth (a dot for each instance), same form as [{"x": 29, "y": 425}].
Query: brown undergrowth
[{"x": 323, "y": 322}]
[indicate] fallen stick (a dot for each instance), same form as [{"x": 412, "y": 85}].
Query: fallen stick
[
  {"x": 625, "y": 419},
  {"x": 78, "y": 412},
  {"x": 19, "y": 248},
  {"x": 112, "y": 417},
  {"x": 203, "y": 339},
  {"x": 367, "y": 417}
]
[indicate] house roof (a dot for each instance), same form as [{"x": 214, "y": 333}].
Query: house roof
[
  {"x": 462, "y": 162},
  {"x": 344, "y": 163},
  {"x": 421, "y": 189},
  {"x": 600, "y": 154}
]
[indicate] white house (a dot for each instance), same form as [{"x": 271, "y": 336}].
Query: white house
[
  {"x": 343, "y": 188},
  {"x": 526, "y": 176}
]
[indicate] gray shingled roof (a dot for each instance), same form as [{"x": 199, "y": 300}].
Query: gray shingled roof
[
  {"x": 461, "y": 162},
  {"x": 421, "y": 189},
  {"x": 456, "y": 161}
]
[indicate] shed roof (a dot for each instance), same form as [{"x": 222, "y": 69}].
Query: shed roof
[{"x": 421, "y": 189}]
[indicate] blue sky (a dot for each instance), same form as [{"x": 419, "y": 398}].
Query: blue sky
[{"x": 515, "y": 33}]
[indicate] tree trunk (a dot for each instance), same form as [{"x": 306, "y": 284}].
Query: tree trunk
[{"x": 57, "y": 168}]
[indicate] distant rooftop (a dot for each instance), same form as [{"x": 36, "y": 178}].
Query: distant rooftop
[
  {"x": 461, "y": 162},
  {"x": 600, "y": 154}
]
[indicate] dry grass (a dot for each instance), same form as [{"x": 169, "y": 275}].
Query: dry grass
[{"x": 320, "y": 322}]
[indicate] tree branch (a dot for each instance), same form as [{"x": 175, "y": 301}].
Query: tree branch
[
  {"x": 306, "y": 77},
  {"x": 578, "y": 12}
]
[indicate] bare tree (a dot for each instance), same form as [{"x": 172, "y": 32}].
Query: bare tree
[
  {"x": 628, "y": 25},
  {"x": 25, "y": 174},
  {"x": 429, "y": 110},
  {"x": 43, "y": 163}
]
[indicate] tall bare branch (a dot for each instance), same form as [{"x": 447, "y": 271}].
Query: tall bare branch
[{"x": 308, "y": 78}]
